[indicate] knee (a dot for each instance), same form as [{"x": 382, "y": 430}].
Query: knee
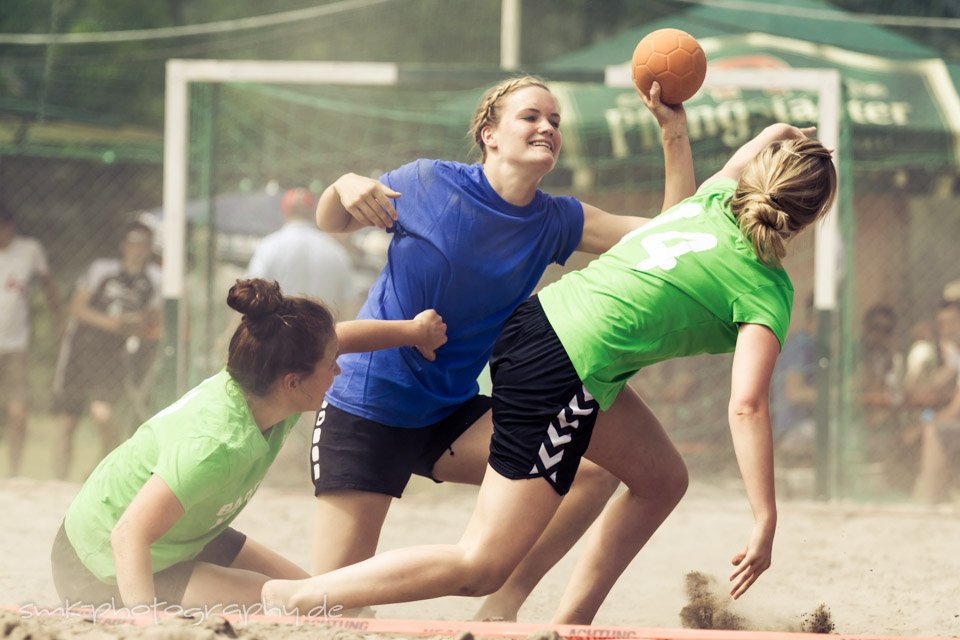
[
  {"x": 101, "y": 412},
  {"x": 17, "y": 412},
  {"x": 677, "y": 481},
  {"x": 482, "y": 576},
  {"x": 667, "y": 486},
  {"x": 597, "y": 480}
]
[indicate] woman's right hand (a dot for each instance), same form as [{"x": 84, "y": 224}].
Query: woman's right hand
[
  {"x": 753, "y": 560},
  {"x": 433, "y": 333},
  {"x": 367, "y": 200}
]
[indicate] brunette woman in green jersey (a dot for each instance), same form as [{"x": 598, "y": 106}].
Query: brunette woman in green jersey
[{"x": 152, "y": 522}]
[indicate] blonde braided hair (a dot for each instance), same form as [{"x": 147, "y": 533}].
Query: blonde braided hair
[{"x": 488, "y": 111}]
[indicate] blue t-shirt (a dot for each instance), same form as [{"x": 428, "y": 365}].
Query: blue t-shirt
[{"x": 459, "y": 248}]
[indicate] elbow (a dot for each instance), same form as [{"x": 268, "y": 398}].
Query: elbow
[
  {"x": 119, "y": 534},
  {"x": 123, "y": 535},
  {"x": 748, "y": 408}
]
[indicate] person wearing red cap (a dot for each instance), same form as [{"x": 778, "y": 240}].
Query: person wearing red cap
[{"x": 301, "y": 257}]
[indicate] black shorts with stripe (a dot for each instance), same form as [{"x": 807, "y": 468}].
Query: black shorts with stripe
[
  {"x": 543, "y": 417},
  {"x": 352, "y": 453}
]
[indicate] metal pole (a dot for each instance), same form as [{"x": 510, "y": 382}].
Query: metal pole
[{"x": 510, "y": 35}]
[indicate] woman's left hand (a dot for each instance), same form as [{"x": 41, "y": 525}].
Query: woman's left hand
[
  {"x": 752, "y": 561},
  {"x": 668, "y": 116}
]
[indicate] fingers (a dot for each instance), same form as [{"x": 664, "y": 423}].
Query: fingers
[
  {"x": 375, "y": 210},
  {"x": 429, "y": 354},
  {"x": 742, "y": 583},
  {"x": 433, "y": 333},
  {"x": 369, "y": 201},
  {"x": 748, "y": 569}
]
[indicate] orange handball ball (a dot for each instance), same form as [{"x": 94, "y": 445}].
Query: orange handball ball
[{"x": 673, "y": 58}]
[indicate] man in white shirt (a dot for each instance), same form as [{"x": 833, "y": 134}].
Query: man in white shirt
[
  {"x": 302, "y": 258},
  {"x": 22, "y": 260}
]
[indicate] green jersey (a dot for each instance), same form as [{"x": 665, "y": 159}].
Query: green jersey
[
  {"x": 206, "y": 447},
  {"x": 678, "y": 286}
]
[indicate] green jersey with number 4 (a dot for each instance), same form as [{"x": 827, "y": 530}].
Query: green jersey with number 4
[{"x": 678, "y": 286}]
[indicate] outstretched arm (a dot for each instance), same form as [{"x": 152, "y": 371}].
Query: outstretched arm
[
  {"x": 602, "y": 230},
  {"x": 742, "y": 156},
  {"x": 354, "y": 202},
  {"x": 749, "y": 414},
  {"x": 427, "y": 332}
]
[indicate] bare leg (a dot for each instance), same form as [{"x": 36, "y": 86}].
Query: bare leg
[
  {"x": 931, "y": 483},
  {"x": 510, "y": 516},
  {"x": 581, "y": 506},
  {"x": 633, "y": 446},
  {"x": 16, "y": 434},
  {"x": 63, "y": 448},
  {"x": 349, "y": 522},
  {"x": 347, "y": 526},
  {"x": 241, "y": 582},
  {"x": 102, "y": 414}
]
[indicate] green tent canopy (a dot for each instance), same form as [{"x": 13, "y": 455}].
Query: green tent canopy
[{"x": 901, "y": 98}]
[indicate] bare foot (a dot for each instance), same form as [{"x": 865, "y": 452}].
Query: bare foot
[
  {"x": 496, "y": 609},
  {"x": 276, "y": 596}
]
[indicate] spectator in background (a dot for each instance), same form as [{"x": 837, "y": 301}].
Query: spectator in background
[
  {"x": 881, "y": 381},
  {"x": 794, "y": 389},
  {"x": 22, "y": 260},
  {"x": 114, "y": 327},
  {"x": 303, "y": 259},
  {"x": 940, "y": 427},
  {"x": 930, "y": 376}
]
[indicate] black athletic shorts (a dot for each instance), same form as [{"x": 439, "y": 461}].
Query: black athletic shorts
[
  {"x": 542, "y": 415},
  {"x": 77, "y": 586},
  {"x": 348, "y": 452}
]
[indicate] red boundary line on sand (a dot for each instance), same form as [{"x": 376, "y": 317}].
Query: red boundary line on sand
[{"x": 455, "y": 627}]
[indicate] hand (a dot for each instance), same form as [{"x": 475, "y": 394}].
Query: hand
[
  {"x": 668, "y": 116},
  {"x": 432, "y": 331},
  {"x": 131, "y": 322},
  {"x": 784, "y": 131},
  {"x": 752, "y": 561},
  {"x": 367, "y": 200}
]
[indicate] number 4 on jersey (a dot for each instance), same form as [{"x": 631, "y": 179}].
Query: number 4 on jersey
[{"x": 664, "y": 248}]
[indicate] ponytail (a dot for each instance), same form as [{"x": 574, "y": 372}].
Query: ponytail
[{"x": 787, "y": 187}]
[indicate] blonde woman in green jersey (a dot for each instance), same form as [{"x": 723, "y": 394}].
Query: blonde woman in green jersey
[
  {"x": 152, "y": 522},
  {"x": 703, "y": 277}
]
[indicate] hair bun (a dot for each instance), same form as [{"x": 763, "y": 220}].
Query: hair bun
[
  {"x": 255, "y": 297},
  {"x": 771, "y": 215}
]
